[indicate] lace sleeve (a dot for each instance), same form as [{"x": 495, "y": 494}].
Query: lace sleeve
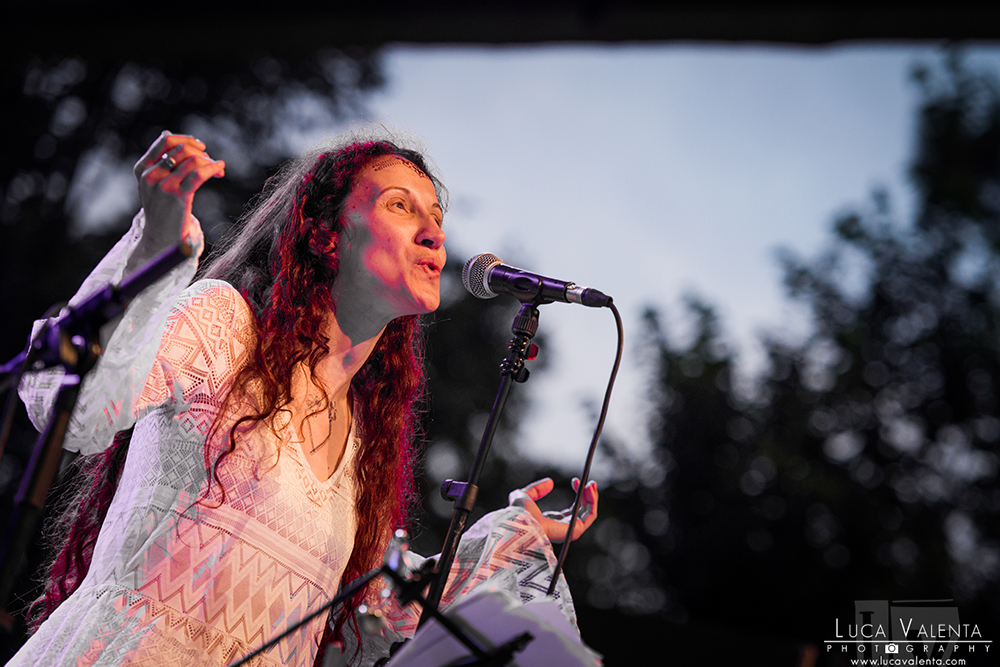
[{"x": 111, "y": 388}]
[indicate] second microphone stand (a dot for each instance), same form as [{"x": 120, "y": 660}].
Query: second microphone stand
[{"x": 464, "y": 494}]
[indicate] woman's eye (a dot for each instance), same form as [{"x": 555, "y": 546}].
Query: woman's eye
[{"x": 398, "y": 204}]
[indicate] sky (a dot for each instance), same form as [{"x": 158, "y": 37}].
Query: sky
[{"x": 652, "y": 173}]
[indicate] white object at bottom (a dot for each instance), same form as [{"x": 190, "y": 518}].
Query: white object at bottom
[{"x": 491, "y": 617}]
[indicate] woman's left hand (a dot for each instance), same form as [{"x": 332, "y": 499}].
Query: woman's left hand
[{"x": 555, "y": 524}]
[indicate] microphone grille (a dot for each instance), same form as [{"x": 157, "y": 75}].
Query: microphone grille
[{"x": 476, "y": 272}]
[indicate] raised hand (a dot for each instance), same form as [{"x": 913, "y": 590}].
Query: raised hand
[
  {"x": 168, "y": 176},
  {"x": 556, "y": 523}
]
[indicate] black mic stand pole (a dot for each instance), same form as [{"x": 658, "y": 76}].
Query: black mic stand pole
[
  {"x": 71, "y": 341},
  {"x": 464, "y": 493}
]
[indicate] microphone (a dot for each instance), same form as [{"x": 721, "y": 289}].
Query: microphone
[{"x": 486, "y": 276}]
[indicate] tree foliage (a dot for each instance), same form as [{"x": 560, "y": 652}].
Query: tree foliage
[{"x": 865, "y": 465}]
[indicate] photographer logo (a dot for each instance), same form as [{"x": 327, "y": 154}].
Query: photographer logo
[{"x": 928, "y": 629}]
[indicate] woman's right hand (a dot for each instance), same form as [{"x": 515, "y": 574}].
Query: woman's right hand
[{"x": 167, "y": 192}]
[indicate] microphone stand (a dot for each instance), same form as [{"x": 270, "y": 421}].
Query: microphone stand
[
  {"x": 71, "y": 341},
  {"x": 464, "y": 494}
]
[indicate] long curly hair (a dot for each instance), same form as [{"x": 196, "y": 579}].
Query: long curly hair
[
  {"x": 284, "y": 260},
  {"x": 282, "y": 257}
]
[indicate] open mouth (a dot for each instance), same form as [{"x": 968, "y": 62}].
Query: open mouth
[{"x": 431, "y": 266}]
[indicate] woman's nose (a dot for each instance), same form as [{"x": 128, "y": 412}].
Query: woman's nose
[{"x": 431, "y": 236}]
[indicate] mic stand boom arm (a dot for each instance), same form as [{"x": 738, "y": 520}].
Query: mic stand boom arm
[{"x": 464, "y": 493}]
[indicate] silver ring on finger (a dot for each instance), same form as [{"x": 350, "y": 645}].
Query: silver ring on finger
[{"x": 168, "y": 162}]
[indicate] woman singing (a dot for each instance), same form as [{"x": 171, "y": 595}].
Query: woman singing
[{"x": 248, "y": 438}]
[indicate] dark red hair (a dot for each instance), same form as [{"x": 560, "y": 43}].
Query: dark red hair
[
  {"x": 291, "y": 299},
  {"x": 282, "y": 258}
]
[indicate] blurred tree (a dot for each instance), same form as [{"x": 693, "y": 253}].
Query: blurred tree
[
  {"x": 865, "y": 464},
  {"x": 893, "y": 398}
]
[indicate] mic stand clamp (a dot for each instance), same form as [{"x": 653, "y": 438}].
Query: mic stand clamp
[{"x": 462, "y": 494}]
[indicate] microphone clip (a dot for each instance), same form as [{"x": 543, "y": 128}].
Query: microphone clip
[{"x": 521, "y": 348}]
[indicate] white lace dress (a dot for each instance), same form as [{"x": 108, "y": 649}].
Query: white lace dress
[{"x": 175, "y": 582}]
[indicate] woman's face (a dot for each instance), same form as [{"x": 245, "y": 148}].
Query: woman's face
[{"x": 392, "y": 246}]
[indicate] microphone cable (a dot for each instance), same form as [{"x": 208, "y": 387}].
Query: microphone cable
[{"x": 590, "y": 453}]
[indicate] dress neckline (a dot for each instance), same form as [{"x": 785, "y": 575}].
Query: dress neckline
[{"x": 292, "y": 436}]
